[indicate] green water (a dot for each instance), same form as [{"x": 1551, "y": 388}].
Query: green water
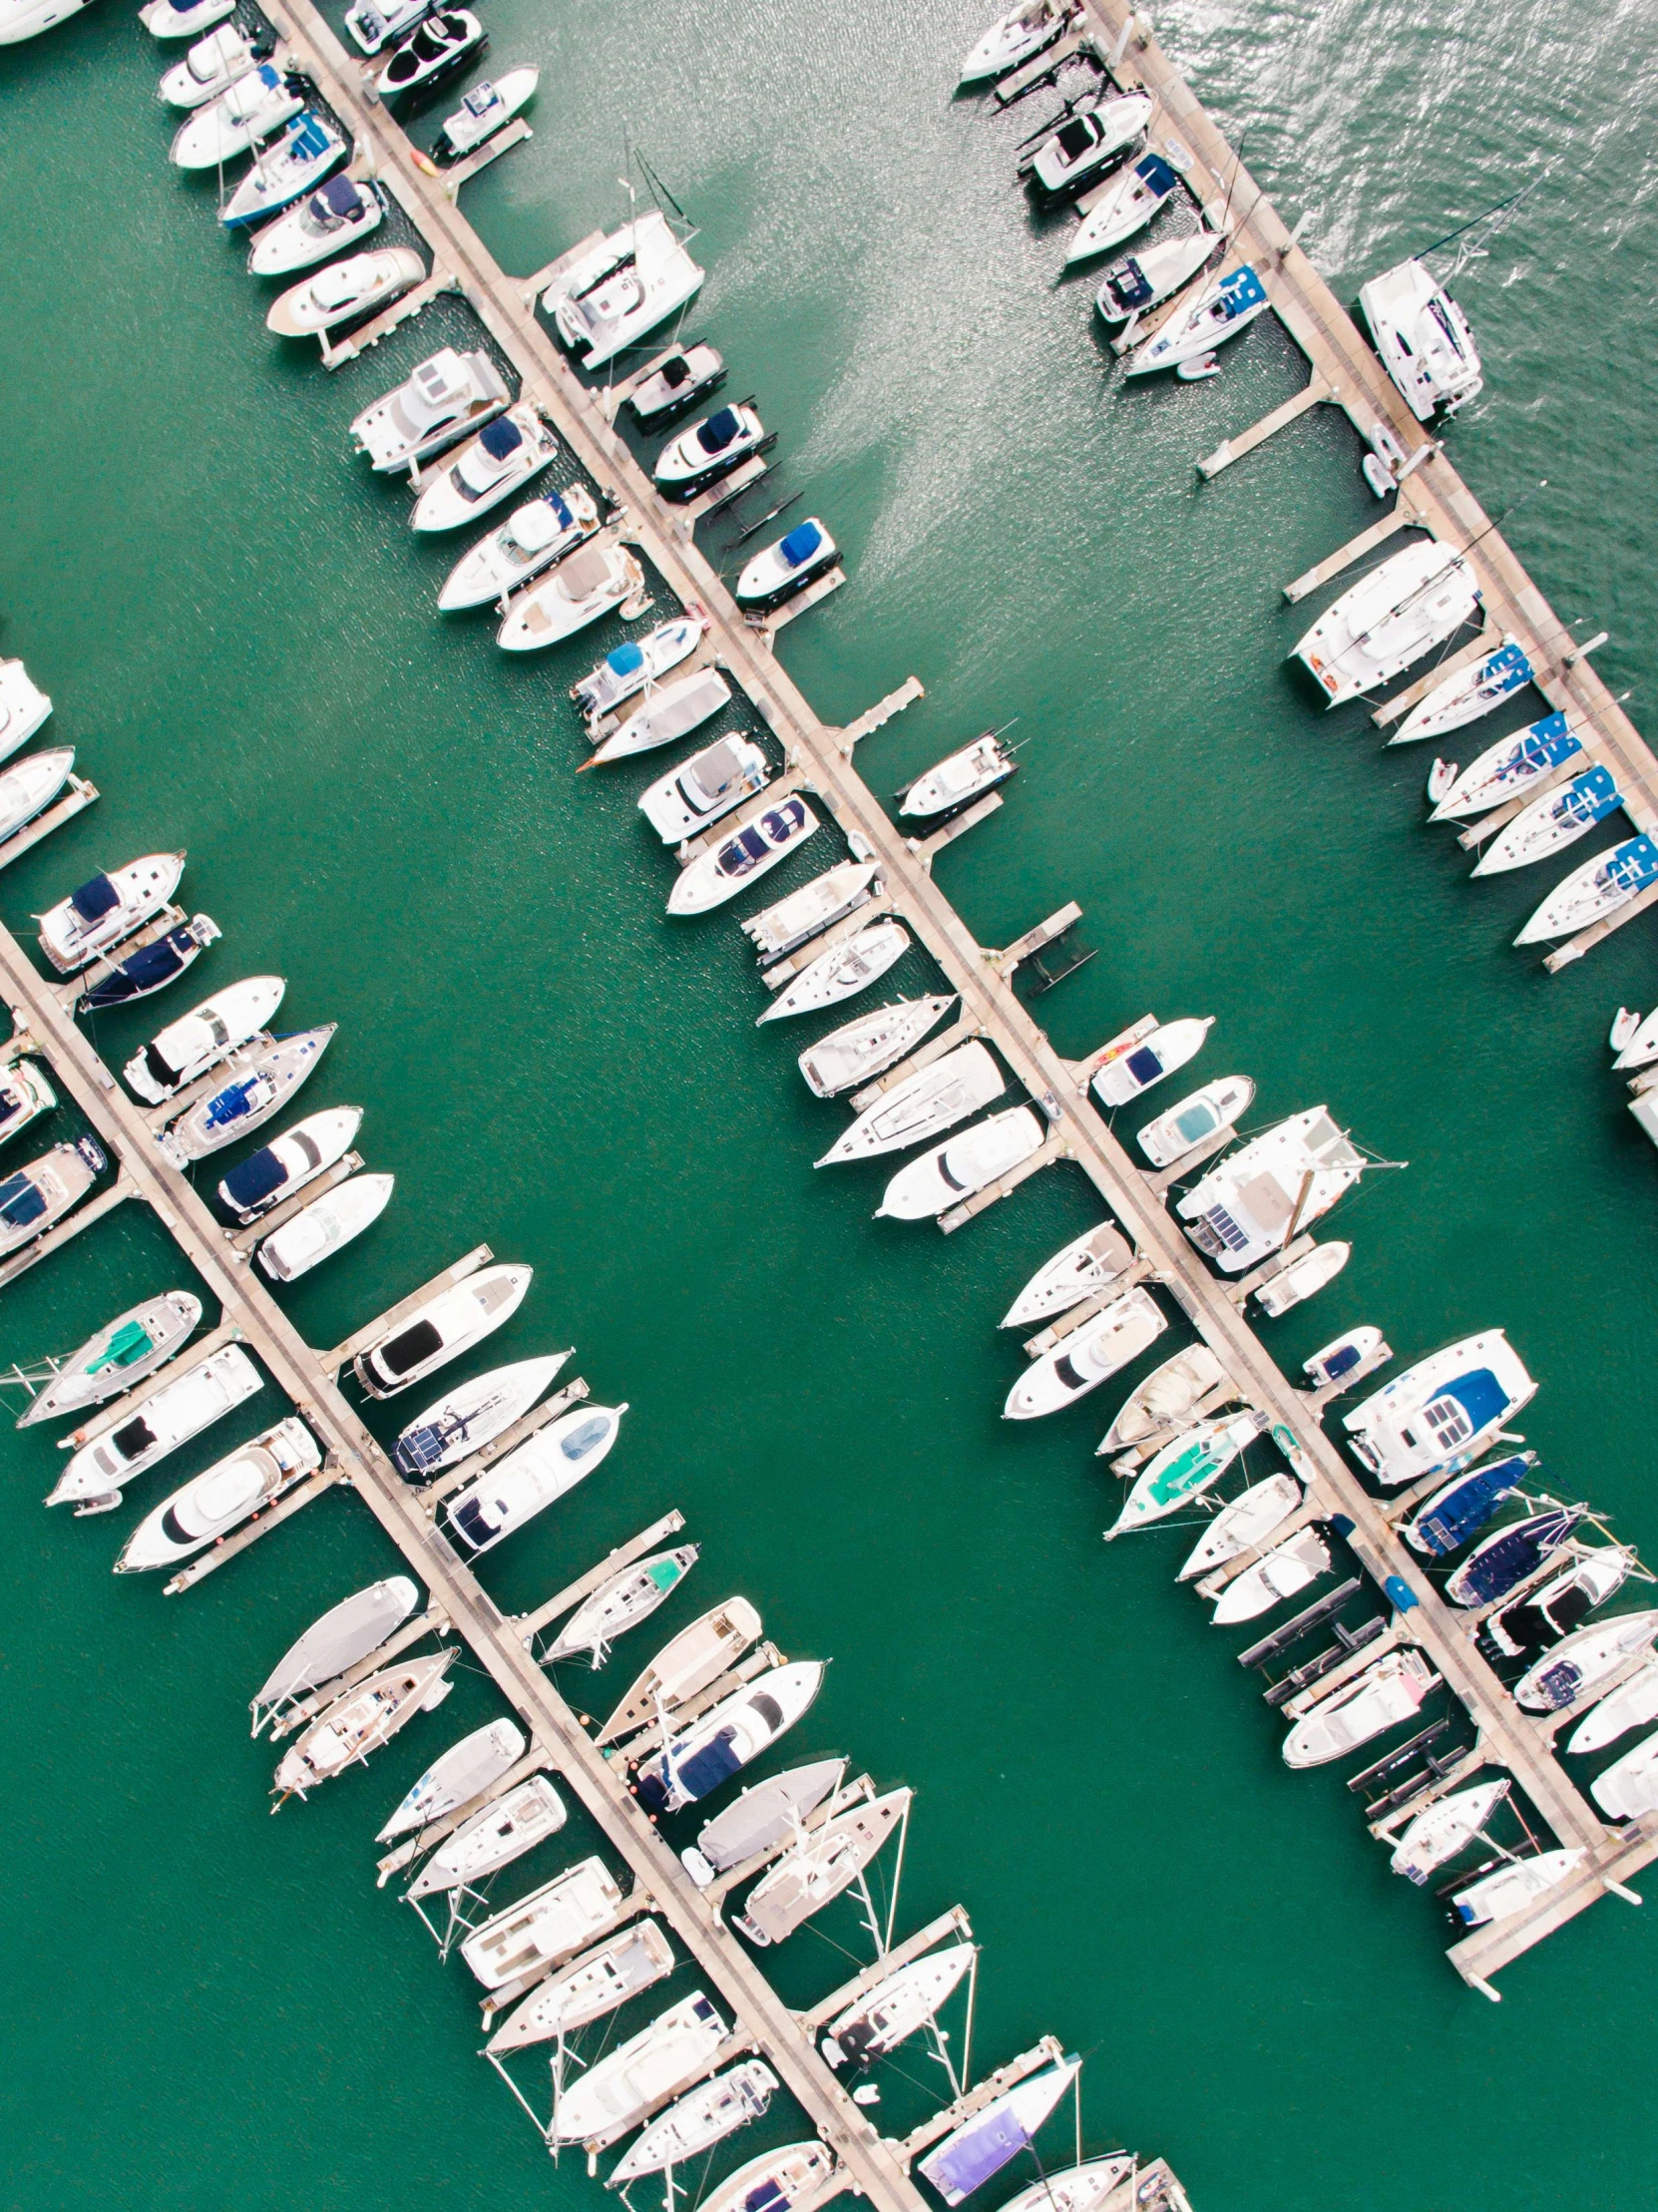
[{"x": 208, "y": 2008}]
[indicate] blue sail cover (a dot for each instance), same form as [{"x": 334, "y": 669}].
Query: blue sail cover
[
  {"x": 1506, "y": 671},
  {"x": 1587, "y": 798},
  {"x": 800, "y": 544},
  {"x": 627, "y": 659},
  {"x": 1155, "y": 174},
  {"x": 974, "y": 2153},
  {"x": 1240, "y": 291},
  {"x": 1547, "y": 742},
  {"x": 308, "y": 138},
  {"x": 1447, "y": 1522},
  {"x": 1633, "y": 866},
  {"x": 232, "y": 1102},
  {"x": 501, "y": 438},
  {"x": 714, "y": 435},
  {"x": 95, "y": 898}
]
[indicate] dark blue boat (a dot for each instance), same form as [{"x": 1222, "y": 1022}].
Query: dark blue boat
[
  {"x": 1510, "y": 1555},
  {"x": 1463, "y": 1506},
  {"x": 153, "y": 968}
]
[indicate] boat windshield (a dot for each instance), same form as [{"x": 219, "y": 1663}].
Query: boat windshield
[
  {"x": 1437, "y": 309},
  {"x": 1079, "y": 135}
]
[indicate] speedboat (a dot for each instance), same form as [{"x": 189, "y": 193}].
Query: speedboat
[
  {"x": 1169, "y": 1046},
  {"x": 1553, "y": 821},
  {"x": 472, "y": 1415},
  {"x": 165, "y": 19},
  {"x": 309, "y": 149},
  {"x": 995, "y": 2134},
  {"x": 531, "y": 538},
  {"x": 619, "y": 2090},
  {"x": 212, "y": 66},
  {"x": 922, "y": 1107},
  {"x": 465, "y": 1771},
  {"x": 343, "y": 290},
  {"x": 152, "y": 968},
  {"x": 778, "y": 571},
  {"x": 742, "y": 858},
  {"x": 860, "y": 1049},
  {"x": 251, "y": 111},
  {"x": 22, "y": 706},
  {"x": 1183, "y": 1469},
  {"x": 1167, "y": 1399},
  {"x": 1303, "y": 1278},
  {"x": 341, "y": 213},
  {"x": 31, "y": 787},
  {"x": 700, "y": 2119},
  {"x": 1629, "y": 1787},
  {"x": 1564, "y": 1603},
  {"x": 621, "y": 1602},
  {"x": 1473, "y": 692},
  {"x": 1124, "y": 206},
  {"x": 491, "y": 1839},
  {"x": 443, "y": 1326},
  {"x": 841, "y": 972},
  {"x": 590, "y": 1988},
  {"x": 1424, "y": 339},
  {"x": 1238, "y": 1528},
  {"x": 1446, "y": 1827},
  {"x": 1366, "y": 1707},
  {"x": 683, "y": 802},
  {"x": 1286, "y": 1177},
  {"x": 25, "y": 1094},
  {"x": 372, "y": 23},
  {"x": 109, "y": 906},
  {"x": 1144, "y": 280},
  {"x": 708, "y": 450},
  {"x": 590, "y": 583},
  {"x": 818, "y": 1868},
  {"x": 777, "y": 2179},
  {"x": 1087, "y": 1357},
  {"x": 505, "y": 455},
  {"x": 1579, "y": 1661},
  {"x": 123, "y": 1352},
  {"x": 875, "y": 2024},
  {"x": 1513, "y": 1887},
  {"x": 203, "y": 1037},
  {"x": 482, "y": 111},
  {"x": 289, "y": 1161},
  {"x": 1598, "y": 888},
  {"x": 1509, "y": 768},
  {"x": 210, "y": 1505},
  {"x": 636, "y": 666},
  {"x": 1068, "y": 160},
  {"x": 1089, "y": 1263},
  {"x": 34, "y": 1197},
  {"x": 815, "y": 907},
  {"x": 438, "y": 48},
  {"x": 1288, "y": 1568},
  {"x": 171, "y": 1415},
  {"x": 357, "y": 1723},
  {"x": 267, "y": 1081},
  {"x": 345, "y": 1634},
  {"x": 727, "y": 1737},
  {"x": 1220, "y": 311},
  {"x": 1460, "y": 1507},
  {"x": 686, "y": 1665},
  {"x": 319, "y": 1230},
  {"x": 959, "y": 780},
  {"x": 446, "y": 396},
  {"x": 686, "y": 375},
  {"x": 1015, "y": 38},
  {"x": 1342, "y": 1355},
  {"x": 1389, "y": 619},
  {"x": 953, "y": 1170},
  {"x": 1631, "y": 1705},
  {"x": 672, "y": 712},
  {"x": 498, "y": 1502},
  {"x": 552, "y": 1924},
  {"x": 608, "y": 299},
  {"x": 1200, "y": 1115},
  {"x": 1439, "y": 1416},
  {"x": 765, "y": 1814}
]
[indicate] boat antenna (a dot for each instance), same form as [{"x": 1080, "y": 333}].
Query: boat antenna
[{"x": 1237, "y": 172}]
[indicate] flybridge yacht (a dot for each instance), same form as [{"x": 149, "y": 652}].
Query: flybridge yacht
[
  {"x": 585, "y": 587},
  {"x": 445, "y": 397},
  {"x": 1389, "y": 619},
  {"x": 443, "y": 1326},
  {"x": 1245, "y": 1210},
  {"x": 618, "y": 294},
  {"x": 32, "y": 785},
  {"x": 203, "y": 1037},
  {"x": 709, "y": 786},
  {"x": 107, "y": 908},
  {"x": 180, "y": 1409},
  {"x": 504, "y": 454},
  {"x": 25, "y": 1094},
  {"x": 532, "y": 537},
  {"x": 211, "y": 1504},
  {"x": 1439, "y": 1416},
  {"x": 35, "y": 1196},
  {"x": 1424, "y": 339}
]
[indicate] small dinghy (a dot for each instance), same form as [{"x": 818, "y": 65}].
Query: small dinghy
[
  {"x": 347, "y": 1632},
  {"x": 708, "y": 450},
  {"x": 875, "y": 2024},
  {"x": 608, "y": 299},
  {"x": 686, "y": 1664},
  {"x": 1378, "y": 1699},
  {"x": 25, "y": 1094},
  {"x": 1553, "y": 821},
  {"x": 860, "y": 1049},
  {"x": 1510, "y": 1555},
  {"x": 591, "y": 1989},
  {"x": 995, "y": 2134},
  {"x": 1199, "y": 1116},
  {"x": 620, "y": 2089},
  {"x": 1184, "y": 1470},
  {"x": 341, "y": 213},
  {"x": 1423, "y": 337},
  {"x": 356, "y": 1725},
  {"x": 1464, "y": 697},
  {"x": 491, "y": 1839},
  {"x": 703, "y": 2117},
  {"x": 1629, "y": 1787},
  {"x": 1248, "y": 1520},
  {"x": 24, "y": 707},
  {"x": 1600, "y": 887},
  {"x": 634, "y": 666},
  {"x": 1158, "y": 1054},
  {"x": 486, "y": 109},
  {"x": 672, "y": 712},
  {"x": 549, "y": 1926},
  {"x": 728, "y": 1738},
  {"x": 1458, "y": 1511},
  {"x": 1016, "y": 38},
  {"x": 1341, "y": 1356},
  {"x": 1441, "y": 780},
  {"x": 325, "y": 1226},
  {"x": 38, "y": 1196},
  {"x": 1085, "y": 145},
  {"x": 343, "y": 290},
  {"x": 777, "y": 571},
  {"x": 1289, "y": 1567},
  {"x": 1445, "y": 1829},
  {"x": 818, "y": 1868},
  {"x": 1076, "y": 2188},
  {"x": 1144, "y": 280},
  {"x": 923, "y": 1106},
  {"x": 212, "y": 66},
  {"x": 289, "y": 1161},
  {"x": 1127, "y": 204},
  {"x": 445, "y": 398},
  {"x": 959, "y": 780},
  {"x": 308, "y": 150},
  {"x": 1220, "y": 311},
  {"x": 253, "y": 1096},
  {"x": 121, "y": 1354},
  {"x": 372, "y": 23},
  {"x": 163, "y": 19},
  {"x": 777, "y": 2179},
  {"x": 815, "y": 907},
  {"x": 1564, "y": 1603},
  {"x": 171, "y": 1415},
  {"x": 1167, "y": 1400},
  {"x": 498, "y": 462},
  {"x": 109, "y": 906},
  {"x": 1304, "y": 1278},
  {"x": 1089, "y": 1356},
  {"x": 630, "y": 1595},
  {"x": 443, "y": 1326},
  {"x": 1089, "y": 1263},
  {"x": 464, "y": 1420},
  {"x": 1386, "y": 621},
  {"x": 509, "y": 1495},
  {"x": 531, "y": 538},
  {"x": 742, "y": 858},
  {"x": 152, "y": 968},
  {"x": 436, "y": 50},
  {"x": 686, "y": 800},
  {"x": 1633, "y": 1040},
  {"x": 1509, "y": 768},
  {"x": 203, "y": 1037},
  {"x": 253, "y": 1477},
  {"x": 1631, "y": 1705},
  {"x": 764, "y": 1814},
  {"x": 465, "y": 1771},
  {"x": 1514, "y": 1887},
  {"x": 686, "y": 375},
  {"x": 588, "y": 584},
  {"x": 1579, "y": 1661},
  {"x": 251, "y": 111},
  {"x": 841, "y": 972},
  {"x": 955, "y": 1169}
]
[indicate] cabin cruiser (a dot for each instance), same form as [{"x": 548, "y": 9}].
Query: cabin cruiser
[
  {"x": 31, "y": 787},
  {"x": 1509, "y": 768},
  {"x": 587, "y": 585},
  {"x": 1171, "y": 1395},
  {"x": 815, "y": 907},
  {"x": 252, "y": 110},
  {"x": 684, "y": 1667},
  {"x": 1303, "y": 1278},
  {"x": 1200, "y": 1115},
  {"x": 1553, "y": 821},
  {"x": 742, "y": 858},
  {"x": 362, "y": 1719},
  {"x": 472, "y": 1415},
  {"x": 465, "y": 1771},
  {"x": 211, "y": 1504},
  {"x": 841, "y": 972},
  {"x": 1220, "y": 311},
  {"x": 343, "y": 290},
  {"x": 319, "y": 1230},
  {"x": 1460, "y": 1507},
  {"x": 1068, "y": 160},
  {"x": 875, "y": 2024},
  {"x": 1144, "y": 280},
  {"x": 1243, "y": 1525},
  {"x": 203, "y": 1037},
  {"x": 119, "y": 1355},
  {"x": 1124, "y": 206},
  {"x": 862, "y": 1048},
  {"x": 1440, "y": 1414},
  {"x": 1543, "y": 1617},
  {"x": 493, "y": 1839},
  {"x": 1472, "y": 692},
  {"x": 482, "y": 111},
  {"x": 300, "y": 159},
  {"x": 212, "y": 66},
  {"x": 1516, "y": 1886},
  {"x": 725, "y": 1739},
  {"x": 708, "y": 450},
  {"x": 22, "y": 706},
  {"x": 34, "y": 1197},
  {"x": 778, "y": 571},
  {"x": 498, "y": 1502},
  {"x": 592, "y": 1988},
  {"x": 620, "y": 2089},
  {"x": 1366, "y": 1707},
  {"x": 25, "y": 1094},
  {"x": 505, "y": 455},
  {"x": 959, "y": 780},
  {"x": 686, "y": 375},
  {"x": 339, "y": 214},
  {"x": 1284, "y": 1571},
  {"x": 1424, "y": 339},
  {"x": 109, "y": 906},
  {"x": 1156, "y": 1055},
  {"x": 672, "y": 712},
  {"x": 166, "y": 19},
  {"x": 171, "y": 1415},
  {"x": 995, "y": 2134},
  {"x": 1086, "y": 1264},
  {"x": 446, "y": 396},
  {"x": 531, "y": 538},
  {"x": 1581, "y": 1660},
  {"x": 1598, "y": 888},
  {"x": 1016, "y": 38},
  {"x": 922, "y": 1105},
  {"x": 372, "y": 23},
  {"x": 1389, "y": 619},
  {"x": 939, "y": 1179},
  {"x": 620, "y": 1604},
  {"x": 765, "y": 1814},
  {"x": 439, "y": 47},
  {"x": 683, "y": 802},
  {"x": 1184, "y": 1469},
  {"x": 289, "y": 1161},
  {"x": 152, "y": 968},
  {"x": 1631, "y": 1705},
  {"x": 1251, "y": 1205},
  {"x": 444, "y": 1325},
  {"x": 636, "y": 666},
  {"x": 700, "y": 2119},
  {"x": 1511, "y": 1555},
  {"x": 818, "y": 1868},
  {"x": 611, "y": 297},
  {"x": 1087, "y": 1357},
  {"x": 1447, "y": 1826},
  {"x": 251, "y": 1099}
]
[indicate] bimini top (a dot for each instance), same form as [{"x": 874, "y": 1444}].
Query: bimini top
[
  {"x": 501, "y": 438},
  {"x": 714, "y": 435},
  {"x": 95, "y": 898},
  {"x": 1236, "y": 293},
  {"x": 625, "y": 660},
  {"x": 800, "y": 544},
  {"x": 21, "y": 1201},
  {"x": 340, "y": 198}
]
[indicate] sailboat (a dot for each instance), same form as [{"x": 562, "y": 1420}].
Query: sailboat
[
  {"x": 1553, "y": 821},
  {"x": 1578, "y": 1661},
  {"x": 818, "y": 1868},
  {"x": 266, "y": 1081},
  {"x": 686, "y": 1665},
  {"x": 982, "y": 2145},
  {"x": 1445, "y": 1827},
  {"x": 873, "y": 2025},
  {"x": 671, "y": 712},
  {"x": 1184, "y": 1470},
  {"x": 588, "y": 1988},
  {"x": 465, "y": 1771},
  {"x": 347, "y": 1632},
  {"x": 760, "y": 1818},
  {"x": 491, "y": 1839},
  {"x": 1473, "y": 692},
  {"x": 1146, "y": 277},
  {"x": 1248, "y": 1520},
  {"x": 841, "y": 972},
  {"x": 1509, "y": 768},
  {"x": 1631, "y": 1705},
  {"x": 862, "y": 1048},
  {"x": 1629, "y": 1787},
  {"x": 1015, "y": 38},
  {"x": 700, "y": 2119},
  {"x": 1220, "y": 311},
  {"x": 467, "y": 1418},
  {"x": 1507, "y": 1558},
  {"x": 119, "y": 1355},
  {"x": 1089, "y": 1263},
  {"x": 1288, "y": 1567},
  {"x": 621, "y": 1602},
  {"x": 1167, "y": 1400},
  {"x": 1127, "y": 204},
  {"x": 1599, "y": 888},
  {"x": 774, "y": 2180},
  {"x": 620, "y": 2089},
  {"x": 922, "y": 1107}
]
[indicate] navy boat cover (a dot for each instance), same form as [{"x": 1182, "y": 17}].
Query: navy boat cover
[
  {"x": 95, "y": 898},
  {"x": 501, "y": 438},
  {"x": 714, "y": 435},
  {"x": 338, "y": 197},
  {"x": 1471, "y": 1503},
  {"x": 254, "y": 1179},
  {"x": 20, "y": 1201}
]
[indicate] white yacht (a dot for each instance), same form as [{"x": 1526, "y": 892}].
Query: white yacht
[
  {"x": 672, "y": 712},
  {"x": 532, "y": 537},
  {"x": 708, "y": 450},
  {"x": 31, "y": 787},
  {"x": 142, "y": 972},
  {"x": 1598, "y": 888},
  {"x": 1448, "y": 1826},
  {"x": 92, "y": 1482},
  {"x": 777, "y": 571},
  {"x": 491, "y": 1839},
  {"x": 1167, "y": 1400},
  {"x": 742, "y": 858},
  {"x": 1156, "y": 1055},
  {"x": 486, "y": 109},
  {"x": 860, "y": 1049},
  {"x": 1144, "y": 279},
  {"x": 1077, "y": 2188},
  {"x": 1280, "y": 1182},
  {"x": 213, "y": 1503},
  {"x": 1510, "y": 768},
  {"x": 1470, "y": 693},
  {"x": 1441, "y": 1412},
  {"x": 1372, "y": 1702},
  {"x": 308, "y": 150},
  {"x": 1127, "y": 204},
  {"x": 345, "y": 1634},
  {"x": 818, "y": 1866},
  {"x": 620, "y": 1604},
  {"x": 25, "y": 1094},
  {"x": 341, "y": 213},
  {"x": 1184, "y": 1469},
  {"x": 1220, "y": 311},
  {"x": 1087, "y": 1357},
  {"x": 588, "y": 583},
  {"x": 212, "y": 66},
  {"x": 123, "y": 1352},
  {"x": 445, "y": 398},
  {"x": 492, "y": 466},
  {"x": 617, "y": 2091},
  {"x": 372, "y": 23},
  {"x": 1239, "y": 1527},
  {"x": 841, "y": 972},
  {"x": 1199, "y": 1116},
  {"x": 289, "y": 1161},
  {"x": 266, "y": 1081},
  {"x": 1288, "y": 1568},
  {"x": 875, "y": 2024},
  {"x": 1086, "y": 145},
  {"x": 443, "y": 1326},
  {"x": 472, "y": 1415},
  {"x": 953, "y": 1170},
  {"x": 922, "y": 1107},
  {"x": 700, "y": 2119},
  {"x": 683, "y": 802},
  {"x": 243, "y": 116},
  {"x": 590, "y": 1988},
  {"x": 504, "y": 1498},
  {"x": 22, "y": 706},
  {"x": 1089, "y": 1263},
  {"x": 549, "y": 1925},
  {"x": 636, "y": 666},
  {"x": 777, "y": 2179},
  {"x": 1402, "y": 609},
  {"x": 321, "y": 1229},
  {"x": 166, "y": 19},
  {"x": 1016, "y": 38},
  {"x": 358, "y": 1722},
  {"x": 32, "y": 1198},
  {"x": 1303, "y": 1278},
  {"x": 688, "y": 374},
  {"x": 815, "y": 907},
  {"x": 617, "y": 295},
  {"x": 465, "y": 1771},
  {"x": 1516, "y": 1886},
  {"x": 344, "y": 290},
  {"x": 203, "y": 1037},
  {"x": 109, "y": 906},
  {"x": 727, "y": 1737},
  {"x": 687, "y": 1663},
  {"x": 1629, "y": 1786},
  {"x": 1631, "y": 1705},
  {"x": 1424, "y": 339},
  {"x": 1553, "y": 821},
  {"x": 959, "y": 780}
]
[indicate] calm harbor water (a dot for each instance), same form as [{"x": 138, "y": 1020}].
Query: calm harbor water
[{"x": 208, "y": 2009}]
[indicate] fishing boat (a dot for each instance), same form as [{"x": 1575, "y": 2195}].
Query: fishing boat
[
  {"x": 1462, "y": 1507},
  {"x": 922, "y": 1105},
  {"x": 959, "y": 780},
  {"x": 841, "y": 972},
  {"x": 498, "y": 1502},
  {"x": 1288, "y": 1567},
  {"x": 775, "y": 2180},
  {"x": 1239, "y": 1527},
  {"x": 1167, "y": 1399},
  {"x": 199, "y": 1040},
  {"x": 995, "y": 2134},
  {"x": 1303, "y": 1278},
  {"x": 308, "y": 150},
  {"x": 1221, "y": 310},
  {"x": 684, "y": 376},
  {"x": 210, "y": 66},
  {"x": 343, "y": 290},
  {"x": 1579, "y": 1661},
  {"x": 609, "y": 298},
  {"x": 875, "y": 2024},
  {"x": 815, "y": 907},
  {"x": 1402, "y": 609},
  {"x": 1439, "y": 1416},
  {"x": 584, "y": 585},
  {"x": 438, "y": 48},
  {"x": 119, "y": 1355},
  {"x": 288, "y": 1163},
  {"x": 1366, "y": 1707},
  {"x": 107, "y": 908},
  {"x": 1075, "y": 2189},
  {"x": 1089, "y": 1356},
  {"x": 1015, "y": 38},
  {"x": 742, "y": 858},
  {"x": 1184, "y": 1470},
  {"x": 321, "y": 1229},
  {"x": 493, "y": 1839},
  {"x": 372, "y": 23},
  {"x": 777, "y": 571},
  {"x": 211, "y": 1504},
  {"x": 708, "y": 450},
  {"x": 24, "y": 707},
  {"x": 1446, "y": 1827},
  {"x": 474, "y": 1414},
  {"x": 1564, "y": 1603},
  {"x": 549, "y": 1926},
  {"x": 1342, "y": 1355},
  {"x": 486, "y": 109},
  {"x": 1631, "y": 1705},
  {"x": 686, "y": 800},
  {"x": 764, "y": 1814},
  {"x": 252, "y": 110},
  {"x": 446, "y": 1323},
  {"x": 1553, "y": 821},
  {"x": 1127, "y": 204},
  {"x": 700, "y": 2119},
  {"x": 1507, "y": 1558},
  {"x": 590, "y": 1988},
  {"x": 1509, "y": 768},
  {"x": 435, "y": 407},
  {"x": 686, "y": 1665},
  {"x": 34, "y": 1197},
  {"x": 1246, "y": 1209},
  {"x": 465, "y": 1771},
  {"x": 818, "y": 1866},
  {"x": 341, "y": 213},
  {"x": 1144, "y": 279},
  {"x": 1200, "y": 1115},
  {"x": 954, "y": 1169},
  {"x": 170, "y": 1416},
  {"x": 1158, "y": 1054},
  {"x": 1629, "y": 1787},
  {"x": 532, "y": 537},
  {"x": 1598, "y": 888},
  {"x": 1473, "y": 692},
  {"x": 638, "y": 664},
  {"x": 1085, "y": 145},
  {"x": 31, "y": 787},
  {"x": 617, "y": 2091},
  {"x": 1424, "y": 339},
  {"x": 492, "y": 466},
  {"x": 1514, "y": 1887},
  {"x": 620, "y": 1604},
  {"x": 672, "y": 712},
  {"x": 1086, "y": 1264},
  {"x": 152, "y": 968},
  {"x": 166, "y": 19},
  {"x": 860, "y": 1048},
  {"x": 726, "y": 1738},
  {"x": 265, "y": 1081},
  {"x": 25, "y": 1094},
  {"x": 347, "y": 1732},
  {"x": 347, "y": 1632}
]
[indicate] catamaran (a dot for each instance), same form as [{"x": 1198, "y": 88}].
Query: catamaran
[
  {"x": 1254, "y": 1202},
  {"x": 1388, "y": 620},
  {"x": 1424, "y": 339},
  {"x": 609, "y": 298},
  {"x": 1439, "y": 1416}
]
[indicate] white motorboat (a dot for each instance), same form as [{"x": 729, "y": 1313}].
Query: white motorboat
[
  {"x": 588, "y": 583},
  {"x": 1424, "y": 339},
  {"x": 1076, "y": 2188},
  {"x": 815, "y": 907},
  {"x": 687, "y": 1663},
  {"x": 860, "y": 1049},
  {"x": 700, "y": 2119},
  {"x": 590, "y": 1988},
  {"x": 203, "y": 1037},
  {"x": 1158, "y": 1054},
  {"x": 1553, "y": 821},
  {"x": 212, "y": 66},
  {"x": 32, "y": 785},
  {"x": 1127, "y": 204},
  {"x": 439, "y": 47},
  {"x": 1016, "y": 38},
  {"x": 1402, "y": 609},
  {"x": 777, "y": 2179},
  {"x": 777, "y": 571},
  {"x": 1239, "y": 1527},
  {"x": 211, "y": 1504},
  {"x": 357, "y": 1723},
  {"x": 25, "y": 1094},
  {"x": 491, "y": 1839},
  {"x": 1087, "y": 1357},
  {"x": 1089, "y": 1263},
  {"x": 1634, "y": 1042},
  {"x": 688, "y": 374},
  {"x": 486, "y": 109},
  {"x": 288, "y": 1163},
  {"x": 1439, "y": 1416},
  {"x": 742, "y": 858},
  {"x": 1509, "y": 768},
  {"x": 341, "y": 213},
  {"x": 672, "y": 712},
  {"x": 1303, "y": 1278},
  {"x": 1342, "y": 1355},
  {"x": 1184, "y": 1469},
  {"x": 1144, "y": 279},
  {"x": 875, "y": 2024},
  {"x": 123, "y": 1352},
  {"x": 619, "y": 2089},
  {"x": 995, "y": 2134},
  {"x": 1448, "y": 1826},
  {"x": 444, "y": 1325},
  {"x": 492, "y": 466},
  {"x": 1513, "y": 1887},
  {"x": 630, "y": 281},
  {"x": 531, "y": 538},
  {"x": 959, "y": 780},
  {"x": 171, "y": 1415},
  {"x": 22, "y": 706},
  {"x": 727, "y": 1737},
  {"x": 708, "y": 450},
  {"x": 1200, "y": 1115},
  {"x": 1598, "y": 888},
  {"x": 321, "y": 1229},
  {"x": 620, "y": 1604},
  {"x": 1249, "y": 1207},
  {"x": 464, "y": 1772},
  {"x": 636, "y": 664},
  {"x": 1167, "y": 1400},
  {"x": 474, "y": 1414},
  {"x": 763, "y": 1815},
  {"x": 291, "y": 169},
  {"x": 1473, "y": 692},
  {"x": 1289, "y": 1567},
  {"x": 1220, "y": 311},
  {"x": 1578, "y": 1661},
  {"x": 347, "y": 1632},
  {"x": 1631, "y": 1705},
  {"x": 445, "y": 398},
  {"x": 372, "y": 23},
  {"x": 1629, "y": 1786},
  {"x": 32, "y": 1198},
  {"x": 923, "y": 1106},
  {"x": 109, "y": 906},
  {"x": 150, "y": 969},
  {"x": 683, "y": 802},
  {"x": 343, "y": 290},
  {"x": 841, "y": 972},
  {"x": 265, "y": 1082},
  {"x": 165, "y": 19},
  {"x": 498, "y": 1502},
  {"x": 818, "y": 1868},
  {"x": 248, "y": 112},
  {"x": 1366, "y": 1707},
  {"x": 1086, "y": 145},
  {"x": 941, "y": 1176}
]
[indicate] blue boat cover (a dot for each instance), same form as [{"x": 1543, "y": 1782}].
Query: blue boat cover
[
  {"x": 1156, "y": 173},
  {"x": 982, "y": 2149},
  {"x": 95, "y": 898},
  {"x": 1480, "y": 1396},
  {"x": 231, "y": 1104},
  {"x": 20, "y": 1201},
  {"x": 254, "y": 1179},
  {"x": 580, "y": 1442},
  {"x": 156, "y": 964},
  {"x": 1468, "y": 1503},
  {"x": 1143, "y": 1064},
  {"x": 1339, "y": 1362},
  {"x": 1513, "y": 1555},
  {"x": 625, "y": 660},
  {"x": 561, "y": 513},
  {"x": 1129, "y": 285},
  {"x": 308, "y": 137},
  {"x": 500, "y": 438},
  {"x": 704, "y": 1770},
  {"x": 1587, "y": 797},
  {"x": 1240, "y": 291},
  {"x": 1508, "y": 663},
  {"x": 339, "y": 197},
  {"x": 800, "y": 544},
  {"x": 714, "y": 435},
  {"x": 1547, "y": 742}
]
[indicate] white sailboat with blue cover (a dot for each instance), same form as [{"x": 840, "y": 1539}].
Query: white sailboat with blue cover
[
  {"x": 1509, "y": 768},
  {"x": 1553, "y": 821},
  {"x": 1470, "y": 692},
  {"x": 1221, "y": 312},
  {"x": 1600, "y": 887}
]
